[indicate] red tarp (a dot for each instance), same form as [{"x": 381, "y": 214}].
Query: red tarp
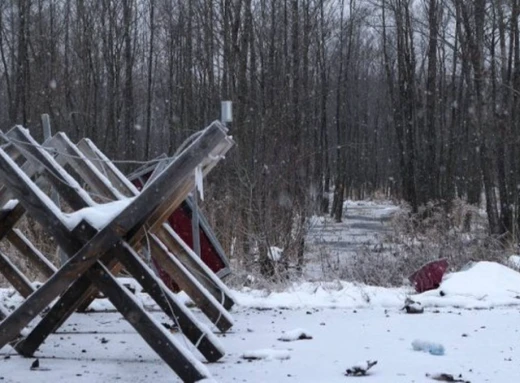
[
  {"x": 429, "y": 276},
  {"x": 180, "y": 221}
]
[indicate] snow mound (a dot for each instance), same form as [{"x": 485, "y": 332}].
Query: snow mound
[
  {"x": 267, "y": 354},
  {"x": 296, "y": 334},
  {"x": 337, "y": 294},
  {"x": 482, "y": 285}
]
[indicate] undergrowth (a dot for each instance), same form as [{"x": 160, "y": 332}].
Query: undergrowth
[{"x": 460, "y": 236}]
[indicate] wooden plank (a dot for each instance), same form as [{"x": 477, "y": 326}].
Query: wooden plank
[
  {"x": 3, "y": 312},
  {"x": 163, "y": 211},
  {"x": 201, "y": 272},
  {"x": 68, "y": 153},
  {"x": 31, "y": 253},
  {"x": 15, "y": 276},
  {"x": 9, "y": 218},
  {"x": 125, "y": 223},
  {"x": 207, "y": 303},
  {"x": 166, "y": 346},
  {"x": 193, "y": 263},
  {"x": 200, "y": 336},
  {"x": 103, "y": 163},
  {"x": 185, "y": 366},
  {"x": 215, "y": 312}
]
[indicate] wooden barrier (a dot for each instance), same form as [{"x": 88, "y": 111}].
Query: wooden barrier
[{"x": 96, "y": 250}]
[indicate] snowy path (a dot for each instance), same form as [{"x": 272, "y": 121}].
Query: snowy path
[
  {"x": 330, "y": 243},
  {"x": 481, "y": 345}
]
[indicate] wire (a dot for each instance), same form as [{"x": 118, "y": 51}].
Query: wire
[{"x": 54, "y": 150}]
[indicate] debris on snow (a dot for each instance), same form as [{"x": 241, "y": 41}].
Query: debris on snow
[
  {"x": 35, "y": 365},
  {"x": 426, "y": 346},
  {"x": 413, "y": 307},
  {"x": 447, "y": 378},
  {"x": 296, "y": 334},
  {"x": 360, "y": 369},
  {"x": 267, "y": 354}
]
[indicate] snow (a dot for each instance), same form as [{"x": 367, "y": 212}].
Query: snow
[
  {"x": 98, "y": 216},
  {"x": 11, "y": 204},
  {"x": 475, "y": 320},
  {"x": 199, "y": 182},
  {"x": 483, "y": 285},
  {"x": 427, "y": 346},
  {"x": 267, "y": 353},
  {"x": 296, "y": 334},
  {"x": 341, "y": 338},
  {"x": 338, "y": 294}
]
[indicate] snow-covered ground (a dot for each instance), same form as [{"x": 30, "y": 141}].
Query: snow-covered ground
[{"x": 473, "y": 317}]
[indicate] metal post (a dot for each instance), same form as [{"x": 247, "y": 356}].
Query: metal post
[
  {"x": 46, "y": 124},
  {"x": 195, "y": 225}
]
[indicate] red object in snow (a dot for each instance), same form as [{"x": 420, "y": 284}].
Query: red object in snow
[
  {"x": 180, "y": 221},
  {"x": 429, "y": 276}
]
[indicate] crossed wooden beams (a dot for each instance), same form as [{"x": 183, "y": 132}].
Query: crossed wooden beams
[{"x": 96, "y": 249}]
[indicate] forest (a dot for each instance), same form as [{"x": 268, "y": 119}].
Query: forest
[{"x": 413, "y": 100}]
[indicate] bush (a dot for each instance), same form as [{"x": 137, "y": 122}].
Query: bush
[{"x": 460, "y": 236}]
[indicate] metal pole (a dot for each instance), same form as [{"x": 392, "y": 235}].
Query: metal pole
[
  {"x": 46, "y": 124},
  {"x": 195, "y": 225}
]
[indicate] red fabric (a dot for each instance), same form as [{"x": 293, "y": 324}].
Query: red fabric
[
  {"x": 180, "y": 221},
  {"x": 429, "y": 276}
]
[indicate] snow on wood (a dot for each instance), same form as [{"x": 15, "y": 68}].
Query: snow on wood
[
  {"x": 208, "y": 273},
  {"x": 106, "y": 162},
  {"x": 44, "y": 197},
  {"x": 199, "y": 181},
  {"x": 63, "y": 174},
  {"x": 98, "y": 216},
  {"x": 201, "y": 288},
  {"x": 10, "y": 205},
  {"x": 93, "y": 168}
]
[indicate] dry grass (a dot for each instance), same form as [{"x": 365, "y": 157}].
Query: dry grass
[{"x": 460, "y": 236}]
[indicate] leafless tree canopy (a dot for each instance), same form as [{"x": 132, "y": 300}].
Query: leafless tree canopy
[{"x": 412, "y": 99}]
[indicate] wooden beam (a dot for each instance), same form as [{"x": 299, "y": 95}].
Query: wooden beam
[
  {"x": 195, "y": 265},
  {"x": 200, "y": 336},
  {"x": 31, "y": 253},
  {"x": 83, "y": 261},
  {"x": 206, "y": 302},
  {"x": 9, "y": 218},
  {"x": 202, "y": 273},
  {"x": 15, "y": 276},
  {"x": 107, "y": 168},
  {"x": 125, "y": 223},
  {"x": 164, "y": 344},
  {"x": 68, "y": 153}
]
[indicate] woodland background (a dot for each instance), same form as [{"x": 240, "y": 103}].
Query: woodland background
[{"x": 415, "y": 100}]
